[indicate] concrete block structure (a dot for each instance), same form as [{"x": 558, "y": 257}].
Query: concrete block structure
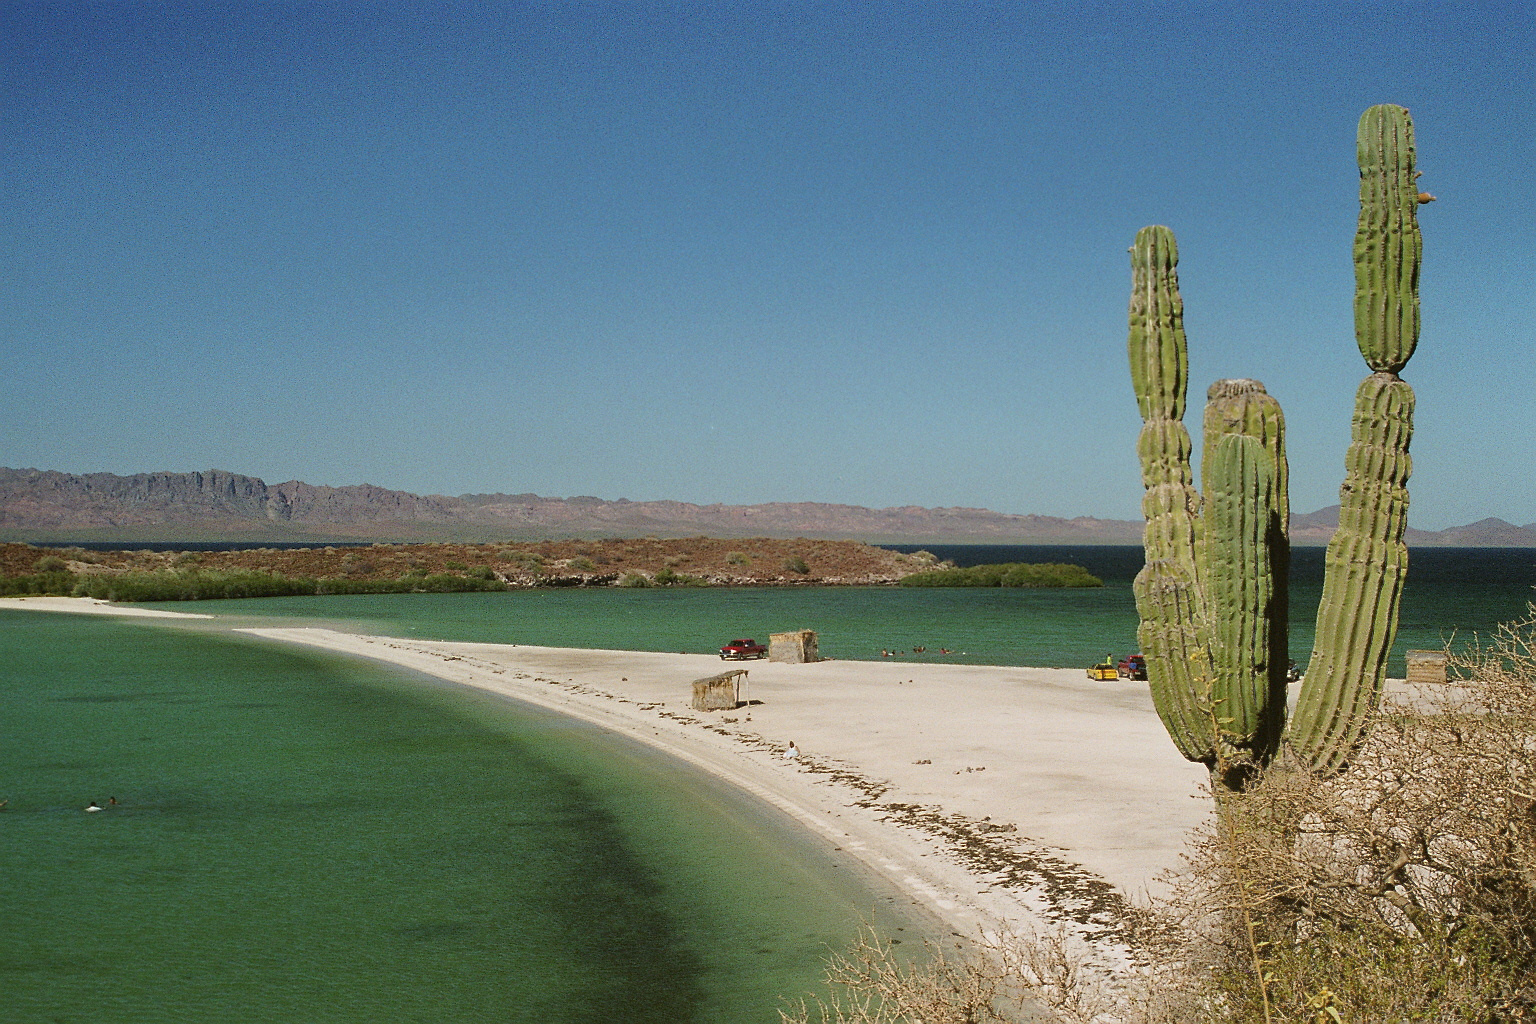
[{"x": 797, "y": 648}]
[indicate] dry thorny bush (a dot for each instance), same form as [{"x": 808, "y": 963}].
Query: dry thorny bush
[
  {"x": 1000, "y": 979},
  {"x": 1402, "y": 890}
]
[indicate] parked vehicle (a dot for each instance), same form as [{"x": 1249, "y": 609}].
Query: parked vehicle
[
  {"x": 1103, "y": 672},
  {"x": 740, "y": 650},
  {"x": 1132, "y": 666}
]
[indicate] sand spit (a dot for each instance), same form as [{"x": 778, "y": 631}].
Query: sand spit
[{"x": 90, "y": 606}]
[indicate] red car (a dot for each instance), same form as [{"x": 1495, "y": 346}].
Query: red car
[
  {"x": 1132, "y": 666},
  {"x": 739, "y": 650}
]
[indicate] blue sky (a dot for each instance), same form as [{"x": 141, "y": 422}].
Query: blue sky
[{"x": 862, "y": 253}]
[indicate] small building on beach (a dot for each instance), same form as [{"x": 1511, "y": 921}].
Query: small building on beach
[
  {"x": 797, "y": 648},
  {"x": 722, "y": 692}
]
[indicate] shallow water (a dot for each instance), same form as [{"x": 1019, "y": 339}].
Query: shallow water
[
  {"x": 1451, "y": 593},
  {"x": 305, "y": 838}
]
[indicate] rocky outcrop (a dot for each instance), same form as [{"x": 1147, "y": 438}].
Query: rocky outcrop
[{"x": 37, "y": 499}]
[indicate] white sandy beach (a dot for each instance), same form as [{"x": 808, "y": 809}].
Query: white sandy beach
[{"x": 992, "y": 795}]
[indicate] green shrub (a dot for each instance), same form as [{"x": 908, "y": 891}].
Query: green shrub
[
  {"x": 43, "y": 584},
  {"x": 196, "y": 585},
  {"x": 668, "y": 577},
  {"x": 1007, "y": 574},
  {"x": 796, "y": 564},
  {"x": 527, "y": 561},
  {"x": 191, "y": 585},
  {"x": 445, "y": 583},
  {"x": 633, "y": 579},
  {"x": 50, "y": 564},
  {"x": 456, "y": 566},
  {"x": 737, "y": 558},
  {"x": 581, "y": 563}
]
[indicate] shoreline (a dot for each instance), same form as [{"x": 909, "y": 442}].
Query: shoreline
[
  {"x": 92, "y": 606},
  {"x": 995, "y": 797}
]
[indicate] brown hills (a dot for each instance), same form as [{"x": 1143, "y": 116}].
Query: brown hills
[
  {"x": 42, "y": 505},
  {"x": 38, "y": 505}
]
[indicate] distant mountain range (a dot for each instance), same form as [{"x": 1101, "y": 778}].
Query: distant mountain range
[{"x": 42, "y": 505}]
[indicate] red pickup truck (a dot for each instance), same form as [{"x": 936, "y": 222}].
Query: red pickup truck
[{"x": 739, "y": 650}]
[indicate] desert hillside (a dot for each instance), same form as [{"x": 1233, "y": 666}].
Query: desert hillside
[
  {"x": 39, "y": 505},
  {"x": 52, "y": 507},
  {"x": 738, "y": 562}
]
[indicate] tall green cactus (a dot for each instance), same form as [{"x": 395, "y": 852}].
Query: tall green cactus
[{"x": 1212, "y": 597}]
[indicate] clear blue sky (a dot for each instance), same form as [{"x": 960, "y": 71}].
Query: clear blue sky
[{"x": 866, "y": 253}]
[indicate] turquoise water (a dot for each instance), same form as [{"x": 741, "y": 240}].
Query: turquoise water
[
  {"x": 1000, "y": 627},
  {"x": 1451, "y": 593},
  {"x": 303, "y": 838}
]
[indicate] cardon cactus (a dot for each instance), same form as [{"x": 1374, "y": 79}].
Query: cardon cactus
[{"x": 1212, "y": 597}]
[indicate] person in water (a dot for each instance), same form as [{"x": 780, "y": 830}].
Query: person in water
[{"x": 92, "y": 806}]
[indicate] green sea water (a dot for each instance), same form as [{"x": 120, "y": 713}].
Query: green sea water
[
  {"x": 299, "y": 837},
  {"x": 302, "y": 837},
  {"x": 1451, "y": 596}
]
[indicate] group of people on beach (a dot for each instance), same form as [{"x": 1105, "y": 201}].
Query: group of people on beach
[{"x": 916, "y": 650}]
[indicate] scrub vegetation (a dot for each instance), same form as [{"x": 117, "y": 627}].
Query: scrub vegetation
[
  {"x": 145, "y": 575},
  {"x": 1006, "y": 574}
]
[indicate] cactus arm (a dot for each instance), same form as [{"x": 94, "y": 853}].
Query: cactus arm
[
  {"x": 1367, "y": 560},
  {"x": 1173, "y": 631},
  {"x": 1238, "y": 497},
  {"x": 1177, "y": 670},
  {"x": 1159, "y": 353},
  {"x": 1388, "y": 246},
  {"x": 1363, "y": 581},
  {"x": 1244, "y": 476}
]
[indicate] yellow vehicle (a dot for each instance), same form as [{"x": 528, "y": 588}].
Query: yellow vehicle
[{"x": 1104, "y": 673}]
